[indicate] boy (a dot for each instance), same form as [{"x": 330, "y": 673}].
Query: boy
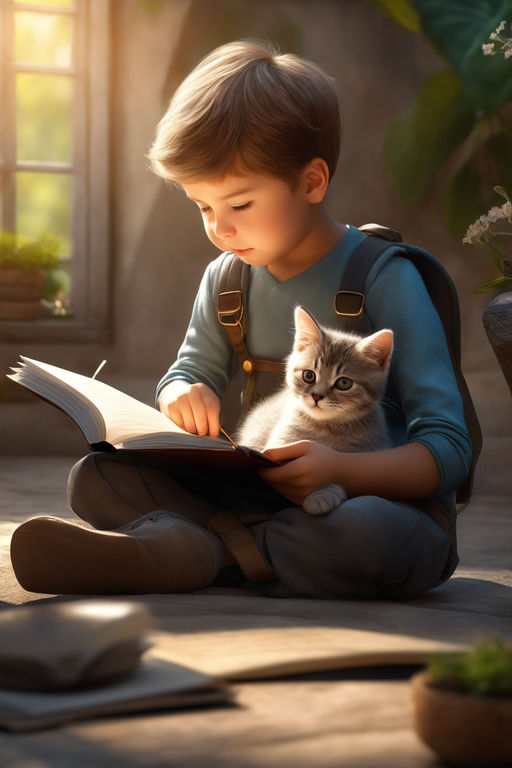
[{"x": 252, "y": 137}]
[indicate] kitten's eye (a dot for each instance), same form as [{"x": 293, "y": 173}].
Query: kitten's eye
[
  {"x": 343, "y": 383},
  {"x": 309, "y": 377}
]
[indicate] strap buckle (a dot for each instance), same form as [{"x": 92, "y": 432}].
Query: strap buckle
[
  {"x": 230, "y": 308},
  {"x": 349, "y": 303}
]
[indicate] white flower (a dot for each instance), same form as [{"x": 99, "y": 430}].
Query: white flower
[
  {"x": 478, "y": 229},
  {"x": 484, "y": 223},
  {"x": 508, "y": 53},
  {"x": 475, "y": 231},
  {"x": 494, "y": 214},
  {"x": 488, "y": 49},
  {"x": 501, "y": 27}
]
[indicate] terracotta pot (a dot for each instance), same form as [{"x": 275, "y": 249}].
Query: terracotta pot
[
  {"x": 20, "y": 293},
  {"x": 497, "y": 320},
  {"x": 464, "y": 730}
]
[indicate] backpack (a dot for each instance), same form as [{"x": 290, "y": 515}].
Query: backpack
[{"x": 232, "y": 303}]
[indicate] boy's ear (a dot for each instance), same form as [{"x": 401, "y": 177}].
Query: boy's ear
[{"x": 315, "y": 178}]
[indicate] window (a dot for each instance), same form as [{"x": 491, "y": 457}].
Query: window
[{"x": 54, "y": 153}]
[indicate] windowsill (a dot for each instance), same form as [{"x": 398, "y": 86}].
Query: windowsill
[{"x": 49, "y": 330}]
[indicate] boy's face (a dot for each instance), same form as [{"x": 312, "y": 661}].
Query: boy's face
[{"x": 258, "y": 217}]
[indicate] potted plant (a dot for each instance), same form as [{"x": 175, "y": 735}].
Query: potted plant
[
  {"x": 492, "y": 231},
  {"x": 24, "y": 265},
  {"x": 463, "y": 705}
]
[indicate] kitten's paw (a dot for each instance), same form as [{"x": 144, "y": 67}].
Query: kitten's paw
[{"x": 324, "y": 499}]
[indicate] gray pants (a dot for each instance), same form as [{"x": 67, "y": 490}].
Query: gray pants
[{"x": 368, "y": 547}]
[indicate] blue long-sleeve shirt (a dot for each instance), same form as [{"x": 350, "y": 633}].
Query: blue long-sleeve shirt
[{"x": 422, "y": 401}]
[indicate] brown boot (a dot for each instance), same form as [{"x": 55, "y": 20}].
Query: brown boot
[{"x": 160, "y": 552}]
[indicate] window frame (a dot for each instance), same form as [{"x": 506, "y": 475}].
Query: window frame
[{"x": 89, "y": 169}]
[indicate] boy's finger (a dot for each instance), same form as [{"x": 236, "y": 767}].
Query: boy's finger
[
  {"x": 285, "y": 452},
  {"x": 211, "y": 404},
  {"x": 199, "y": 413},
  {"x": 189, "y": 422},
  {"x": 283, "y": 474},
  {"x": 213, "y": 424}
]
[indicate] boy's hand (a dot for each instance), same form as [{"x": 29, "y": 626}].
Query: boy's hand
[
  {"x": 193, "y": 407},
  {"x": 309, "y": 466}
]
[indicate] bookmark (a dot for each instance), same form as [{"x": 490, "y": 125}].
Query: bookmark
[
  {"x": 237, "y": 447},
  {"x": 98, "y": 369}
]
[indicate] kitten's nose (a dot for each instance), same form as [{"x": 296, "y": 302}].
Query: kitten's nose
[{"x": 316, "y": 397}]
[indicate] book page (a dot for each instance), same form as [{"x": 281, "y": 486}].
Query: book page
[
  {"x": 104, "y": 413},
  {"x": 156, "y": 684}
]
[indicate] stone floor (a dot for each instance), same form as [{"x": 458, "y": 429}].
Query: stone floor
[{"x": 359, "y": 718}]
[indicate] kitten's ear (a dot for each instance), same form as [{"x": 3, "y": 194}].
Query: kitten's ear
[
  {"x": 307, "y": 331},
  {"x": 378, "y": 347}
]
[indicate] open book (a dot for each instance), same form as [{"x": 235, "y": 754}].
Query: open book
[{"x": 111, "y": 420}]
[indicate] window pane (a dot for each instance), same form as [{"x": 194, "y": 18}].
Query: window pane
[
  {"x": 43, "y": 39},
  {"x": 43, "y": 205},
  {"x": 43, "y": 118}
]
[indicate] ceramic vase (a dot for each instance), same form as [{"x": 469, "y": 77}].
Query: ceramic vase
[
  {"x": 464, "y": 730},
  {"x": 497, "y": 320},
  {"x": 20, "y": 293}
]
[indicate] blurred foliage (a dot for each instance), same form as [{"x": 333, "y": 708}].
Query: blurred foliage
[
  {"x": 484, "y": 670},
  {"x": 461, "y": 122},
  {"x": 21, "y": 253},
  {"x": 153, "y": 6},
  {"x": 43, "y": 202}
]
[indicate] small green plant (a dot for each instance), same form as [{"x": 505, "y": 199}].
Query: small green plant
[
  {"x": 22, "y": 253},
  {"x": 484, "y": 670}
]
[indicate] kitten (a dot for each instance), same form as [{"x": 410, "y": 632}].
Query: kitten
[{"x": 330, "y": 395}]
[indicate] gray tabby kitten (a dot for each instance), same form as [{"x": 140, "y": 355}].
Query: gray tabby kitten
[{"x": 331, "y": 395}]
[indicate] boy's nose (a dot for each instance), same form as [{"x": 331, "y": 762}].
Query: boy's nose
[{"x": 223, "y": 228}]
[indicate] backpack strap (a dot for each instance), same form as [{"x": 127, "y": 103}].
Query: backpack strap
[
  {"x": 232, "y": 313},
  {"x": 349, "y": 300},
  {"x": 349, "y": 304}
]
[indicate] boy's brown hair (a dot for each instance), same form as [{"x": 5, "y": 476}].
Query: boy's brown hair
[{"x": 248, "y": 107}]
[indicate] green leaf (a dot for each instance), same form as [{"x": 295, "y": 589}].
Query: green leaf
[
  {"x": 500, "y": 282},
  {"x": 502, "y": 191},
  {"x": 458, "y": 29},
  {"x": 420, "y": 141},
  {"x": 402, "y": 11}
]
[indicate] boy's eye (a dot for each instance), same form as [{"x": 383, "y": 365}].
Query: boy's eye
[
  {"x": 239, "y": 208},
  {"x": 308, "y": 376}
]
